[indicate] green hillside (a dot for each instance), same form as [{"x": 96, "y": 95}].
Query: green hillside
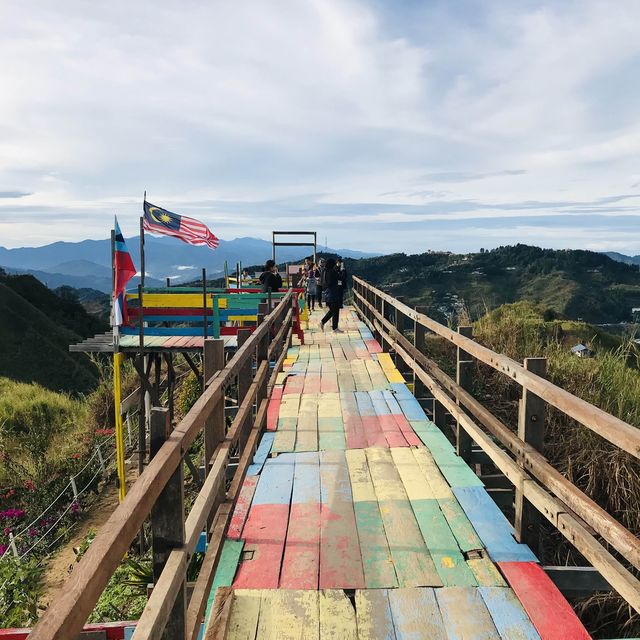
[
  {"x": 36, "y": 328},
  {"x": 575, "y": 284}
]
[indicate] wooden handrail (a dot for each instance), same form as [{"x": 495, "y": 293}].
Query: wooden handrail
[
  {"x": 67, "y": 614},
  {"x": 454, "y": 398},
  {"x": 616, "y": 431},
  {"x": 595, "y": 516}
]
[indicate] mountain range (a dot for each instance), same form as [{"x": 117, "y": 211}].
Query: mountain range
[{"x": 87, "y": 264}]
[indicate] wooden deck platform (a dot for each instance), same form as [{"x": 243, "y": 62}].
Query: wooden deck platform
[{"x": 358, "y": 520}]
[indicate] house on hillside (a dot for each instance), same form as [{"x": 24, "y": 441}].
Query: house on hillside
[{"x": 582, "y": 351}]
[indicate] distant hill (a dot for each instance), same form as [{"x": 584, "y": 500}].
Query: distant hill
[
  {"x": 621, "y": 257},
  {"x": 575, "y": 284},
  {"x": 87, "y": 264},
  {"x": 36, "y": 327}
]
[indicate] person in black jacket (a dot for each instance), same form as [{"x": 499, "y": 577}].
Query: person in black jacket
[
  {"x": 342, "y": 280},
  {"x": 321, "y": 280},
  {"x": 331, "y": 291},
  {"x": 270, "y": 279}
]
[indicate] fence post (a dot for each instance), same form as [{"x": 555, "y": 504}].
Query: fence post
[
  {"x": 167, "y": 524},
  {"x": 399, "y": 321},
  {"x": 244, "y": 382},
  {"x": 74, "y": 488},
  {"x": 12, "y": 544},
  {"x": 214, "y": 426},
  {"x": 262, "y": 353},
  {"x": 100, "y": 459},
  {"x": 531, "y": 428},
  {"x": 464, "y": 374}
]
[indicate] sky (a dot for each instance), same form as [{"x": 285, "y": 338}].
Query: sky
[{"x": 388, "y": 125}]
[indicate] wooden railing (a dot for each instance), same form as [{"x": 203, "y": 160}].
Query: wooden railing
[
  {"x": 159, "y": 491},
  {"x": 540, "y": 490}
]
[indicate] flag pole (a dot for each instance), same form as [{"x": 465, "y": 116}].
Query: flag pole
[
  {"x": 117, "y": 381},
  {"x": 142, "y": 265}
]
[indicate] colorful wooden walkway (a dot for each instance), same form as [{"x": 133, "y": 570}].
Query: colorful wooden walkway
[{"x": 357, "y": 519}]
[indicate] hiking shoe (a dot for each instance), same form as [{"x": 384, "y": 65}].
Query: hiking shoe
[
  {"x": 338, "y": 331},
  {"x": 322, "y": 326}
]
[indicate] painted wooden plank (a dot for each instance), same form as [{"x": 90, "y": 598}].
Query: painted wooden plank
[
  {"x": 492, "y": 527},
  {"x": 374, "y": 548},
  {"x": 551, "y": 614},
  {"x": 373, "y": 615},
  {"x": 400, "y": 390},
  {"x": 354, "y": 433},
  {"x": 337, "y": 616},
  {"x": 295, "y": 383},
  {"x": 458, "y": 521},
  {"x": 301, "y": 561},
  {"x": 261, "y": 454},
  {"x": 307, "y": 427},
  {"x": 412, "y": 561},
  {"x": 442, "y": 545},
  {"x": 486, "y": 573},
  {"x": 289, "y": 615},
  {"x": 245, "y": 611},
  {"x": 331, "y": 440},
  {"x": 465, "y": 615},
  {"x": 416, "y": 614},
  {"x": 273, "y": 410},
  {"x": 377, "y": 375},
  {"x": 242, "y": 507},
  {"x": 412, "y": 409},
  {"x": 507, "y": 613},
  {"x": 340, "y": 561},
  {"x": 373, "y": 346},
  {"x": 226, "y": 570},
  {"x": 284, "y": 441},
  {"x": 276, "y": 481}
]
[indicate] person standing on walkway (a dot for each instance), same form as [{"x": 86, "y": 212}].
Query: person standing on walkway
[
  {"x": 311, "y": 287},
  {"x": 320, "y": 285},
  {"x": 342, "y": 280},
  {"x": 270, "y": 279},
  {"x": 331, "y": 293}
]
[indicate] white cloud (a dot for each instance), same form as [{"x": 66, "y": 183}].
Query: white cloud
[{"x": 254, "y": 115}]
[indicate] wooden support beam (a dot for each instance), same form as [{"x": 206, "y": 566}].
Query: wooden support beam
[
  {"x": 420, "y": 343},
  {"x": 192, "y": 365},
  {"x": 464, "y": 378},
  {"x": 167, "y": 524},
  {"x": 531, "y": 428},
  {"x": 214, "y": 427},
  {"x": 577, "y": 582},
  {"x": 244, "y": 375}
]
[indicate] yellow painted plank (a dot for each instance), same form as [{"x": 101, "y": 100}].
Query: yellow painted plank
[
  {"x": 486, "y": 573},
  {"x": 387, "y": 483},
  {"x": 289, "y": 615},
  {"x": 337, "y": 616},
  {"x": 413, "y": 479},
  {"x": 289, "y": 405},
  {"x": 284, "y": 442},
  {"x": 245, "y": 612},
  {"x": 329, "y": 406},
  {"x": 182, "y": 300},
  {"x": 374, "y": 615},
  {"x": 361, "y": 484},
  {"x": 439, "y": 487}
]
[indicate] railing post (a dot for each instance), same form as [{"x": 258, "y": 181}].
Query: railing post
[
  {"x": 420, "y": 391},
  {"x": 464, "y": 374},
  {"x": 531, "y": 428},
  {"x": 262, "y": 353},
  {"x": 214, "y": 426},
  {"x": 244, "y": 382},
  {"x": 167, "y": 524}
]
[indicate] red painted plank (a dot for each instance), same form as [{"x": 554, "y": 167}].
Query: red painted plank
[
  {"x": 242, "y": 507},
  {"x": 301, "y": 561},
  {"x": 329, "y": 383},
  {"x": 391, "y": 431},
  {"x": 294, "y": 384},
  {"x": 373, "y": 346},
  {"x": 550, "y": 613},
  {"x": 273, "y": 411},
  {"x": 312, "y": 383},
  {"x": 113, "y": 630},
  {"x": 354, "y": 433},
  {"x": 409, "y": 434},
  {"x": 172, "y": 342},
  {"x": 264, "y": 534},
  {"x": 373, "y": 432}
]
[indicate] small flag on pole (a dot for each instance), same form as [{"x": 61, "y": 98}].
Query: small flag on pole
[
  {"x": 189, "y": 230},
  {"x": 124, "y": 271}
]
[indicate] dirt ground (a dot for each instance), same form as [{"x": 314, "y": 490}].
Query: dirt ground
[{"x": 60, "y": 565}]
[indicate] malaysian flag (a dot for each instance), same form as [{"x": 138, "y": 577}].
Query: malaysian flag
[{"x": 157, "y": 220}]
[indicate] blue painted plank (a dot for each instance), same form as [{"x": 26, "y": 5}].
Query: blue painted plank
[
  {"x": 412, "y": 409},
  {"x": 492, "y": 527},
  {"x": 380, "y": 405},
  {"x": 201, "y": 545},
  {"x": 400, "y": 390},
  {"x": 365, "y": 406},
  {"x": 261, "y": 454},
  {"x": 508, "y": 615},
  {"x": 306, "y": 478},
  {"x": 392, "y": 403},
  {"x": 276, "y": 481}
]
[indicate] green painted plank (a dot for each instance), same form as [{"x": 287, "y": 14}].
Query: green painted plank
[
  {"x": 374, "y": 548},
  {"x": 459, "y": 524},
  {"x": 226, "y": 570},
  {"x": 331, "y": 440},
  {"x": 330, "y": 424},
  {"x": 284, "y": 442},
  {"x": 287, "y": 424},
  {"x": 442, "y": 545}
]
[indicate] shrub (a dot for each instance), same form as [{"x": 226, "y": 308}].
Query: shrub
[{"x": 20, "y": 588}]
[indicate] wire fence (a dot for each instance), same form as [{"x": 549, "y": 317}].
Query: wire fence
[{"x": 60, "y": 517}]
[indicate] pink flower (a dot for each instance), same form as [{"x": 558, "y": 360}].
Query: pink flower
[
  {"x": 6, "y": 531},
  {"x": 3, "y": 548}
]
